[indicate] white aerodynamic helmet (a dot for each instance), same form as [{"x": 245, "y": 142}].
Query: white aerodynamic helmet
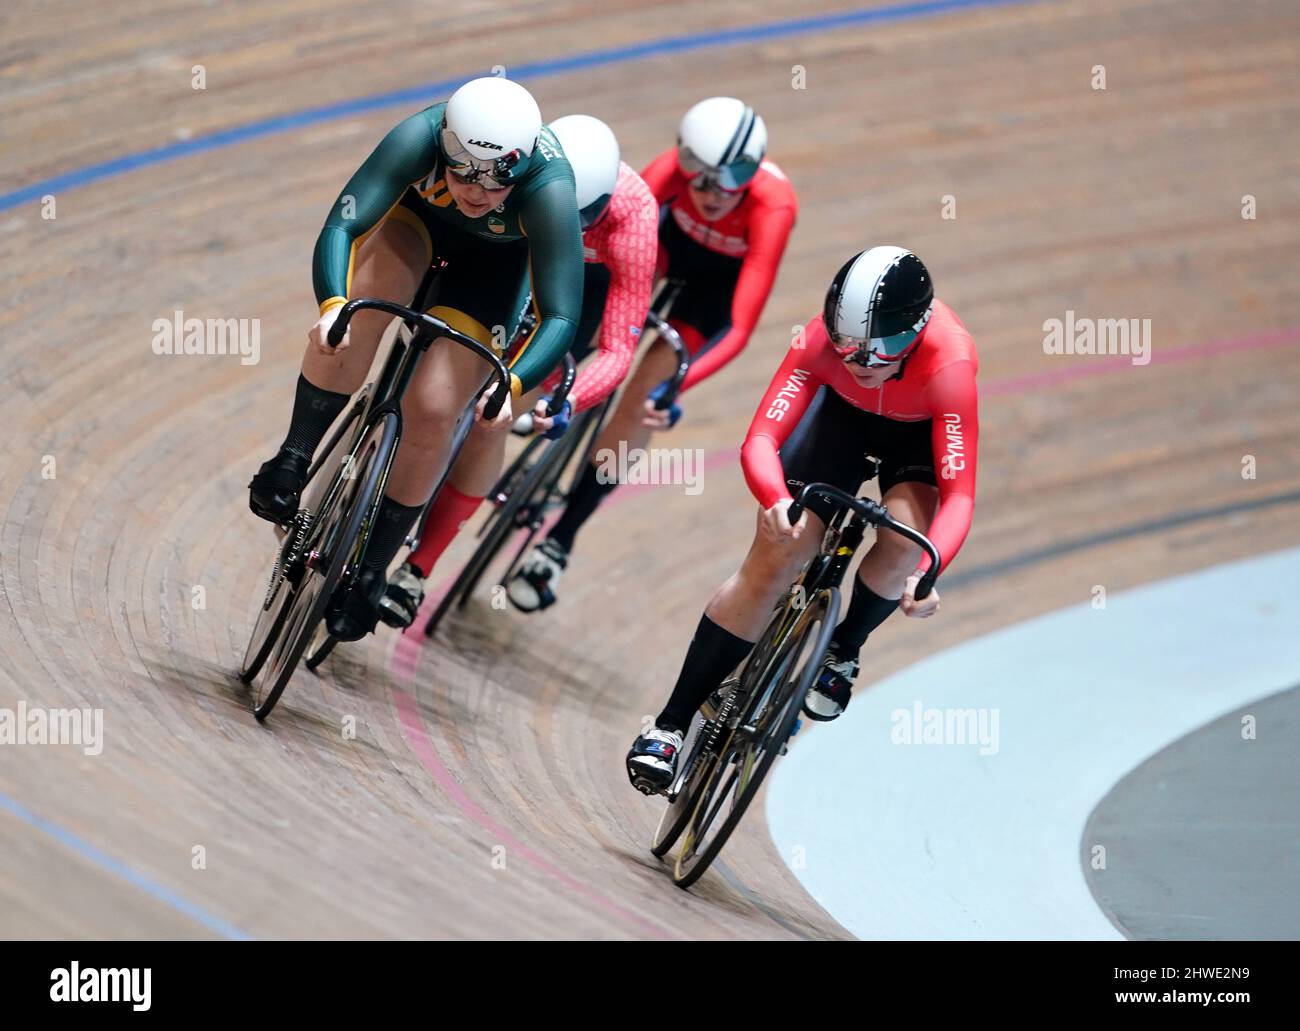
[
  {"x": 490, "y": 131},
  {"x": 878, "y": 303},
  {"x": 721, "y": 140},
  {"x": 592, "y": 150}
]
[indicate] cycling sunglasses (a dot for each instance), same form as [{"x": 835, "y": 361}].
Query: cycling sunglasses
[
  {"x": 724, "y": 179},
  {"x": 493, "y": 174}
]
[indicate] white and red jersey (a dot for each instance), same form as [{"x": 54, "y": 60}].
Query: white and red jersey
[
  {"x": 625, "y": 240},
  {"x": 756, "y": 232},
  {"x": 938, "y": 383}
]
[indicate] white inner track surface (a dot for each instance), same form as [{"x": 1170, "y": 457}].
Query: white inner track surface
[{"x": 937, "y": 841}]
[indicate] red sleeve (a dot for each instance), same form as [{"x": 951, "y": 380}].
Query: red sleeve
[
  {"x": 629, "y": 254},
  {"x": 785, "y": 402},
  {"x": 954, "y": 405},
  {"x": 767, "y": 240},
  {"x": 660, "y": 173}
]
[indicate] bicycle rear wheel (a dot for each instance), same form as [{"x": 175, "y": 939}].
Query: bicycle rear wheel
[
  {"x": 330, "y": 546},
  {"x": 736, "y": 771}
]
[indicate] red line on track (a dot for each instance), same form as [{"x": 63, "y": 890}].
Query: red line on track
[{"x": 413, "y": 730}]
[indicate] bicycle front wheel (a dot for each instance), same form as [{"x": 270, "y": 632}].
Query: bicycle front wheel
[
  {"x": 744, "y": 757},
  {"x": 330, "y": 547}
]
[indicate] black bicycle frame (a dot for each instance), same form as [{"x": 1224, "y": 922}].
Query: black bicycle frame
[
  {"x": 865, "y": 513},
  {"x": 429, "y": 328}
]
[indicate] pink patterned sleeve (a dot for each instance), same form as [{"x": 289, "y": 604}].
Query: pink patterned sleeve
[{"x": 626, "y": 241}]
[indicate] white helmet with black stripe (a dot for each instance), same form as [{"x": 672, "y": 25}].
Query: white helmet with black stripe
[
  {"x": 878, "y": 303},
  {"x": 722, "y": 141}
]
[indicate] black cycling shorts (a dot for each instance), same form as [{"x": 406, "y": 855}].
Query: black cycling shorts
[
  {"x": 483, "y": 280},
  {"x": 708, "y": 281},
  {"x": 844, "y": 446},
  {"x": 595, "y": 291}
]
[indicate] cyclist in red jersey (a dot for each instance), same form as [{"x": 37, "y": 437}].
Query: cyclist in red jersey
[
  {"x": 620, "y": 220},
  {"x": 725, "y": 216},
  {"x": 882, "y": 383}
]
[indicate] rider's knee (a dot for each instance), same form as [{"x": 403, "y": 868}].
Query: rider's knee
[
  {"x": 771, "y": 565},
  {"x": 893, "y": 554},
  {"x": 429, "y": 415}
]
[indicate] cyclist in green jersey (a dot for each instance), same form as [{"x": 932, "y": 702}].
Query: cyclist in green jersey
[{"x": 481, "y": 183}]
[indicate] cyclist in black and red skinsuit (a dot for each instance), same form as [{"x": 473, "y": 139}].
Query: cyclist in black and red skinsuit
[
  {"x": 725, "y": 218},
  {"x": 883, "y": 382}
]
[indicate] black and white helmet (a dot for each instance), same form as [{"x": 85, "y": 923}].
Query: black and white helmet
[{"x": 878, "y": 303}]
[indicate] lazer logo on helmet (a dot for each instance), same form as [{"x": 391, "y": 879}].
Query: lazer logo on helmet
[
  {"x": 954, "y": 459},
  {"x": 485, "y": 143},
  {"x": 781, "y": 403}
]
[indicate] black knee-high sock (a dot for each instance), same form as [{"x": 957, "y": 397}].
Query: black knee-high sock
[
  {"x": 314, "y": 410},
  {"x": 867, "y": 611},
  {"x": 392, "y": 524},
  {"x": 583, "y": 500},
  {"x": 713, "y": 654}
]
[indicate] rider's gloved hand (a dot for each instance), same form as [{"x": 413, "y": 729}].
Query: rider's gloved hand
[
  {"x": 552, "y": 427},
  {"x": 658, "y": 416}
]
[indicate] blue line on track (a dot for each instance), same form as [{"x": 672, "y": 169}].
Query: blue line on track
[
  {"x": 115, "y": 866},
  {"x": 431, "y": 91}
]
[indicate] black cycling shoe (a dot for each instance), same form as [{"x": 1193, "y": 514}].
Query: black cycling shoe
[
  {"x": 274, "y": 492},
  {"x": 355, "y": 612}
]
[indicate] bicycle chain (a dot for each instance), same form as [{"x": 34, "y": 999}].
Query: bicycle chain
[
  {"x": 720, "y": 719},
  {"x": 302, "y": 520}
]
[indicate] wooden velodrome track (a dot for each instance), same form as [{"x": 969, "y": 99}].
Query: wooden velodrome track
[{"x": 483, "y": 794}]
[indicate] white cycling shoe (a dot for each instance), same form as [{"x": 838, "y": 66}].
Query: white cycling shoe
[
  {"x": 829, "y": 696},
  {"x": 402, "y": 597},
  {"x": 652, "y": 760},
  {"x": 533, "y": 587}
]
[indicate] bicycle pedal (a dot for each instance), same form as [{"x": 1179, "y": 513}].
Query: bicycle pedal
[{"x": 644, "y": 786}]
